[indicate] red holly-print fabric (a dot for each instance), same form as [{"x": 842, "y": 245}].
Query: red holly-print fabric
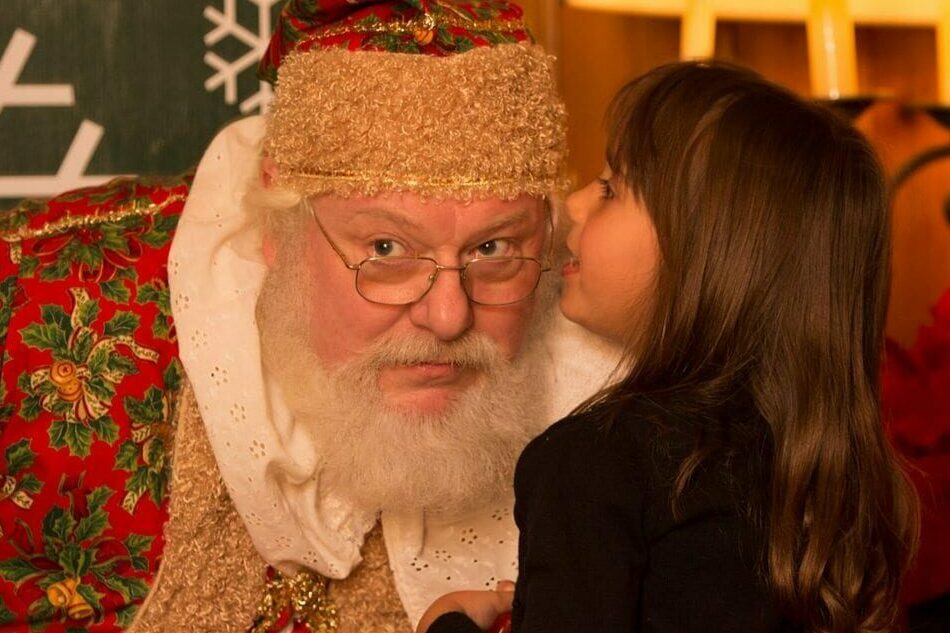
[{"x": 88, "y": 383}]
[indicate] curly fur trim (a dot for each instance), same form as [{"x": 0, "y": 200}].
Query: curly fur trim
[{"x": 485, "y": 123}]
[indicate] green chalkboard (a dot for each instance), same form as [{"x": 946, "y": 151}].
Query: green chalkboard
[{"x": 95, "y": 88}]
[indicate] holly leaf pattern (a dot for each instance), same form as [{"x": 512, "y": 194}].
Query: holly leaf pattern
[
  {"x": 79, "y": 557},
  {"x": 100, "y": 388},
  {"x": 16, "y": 570},
  {"x": 87, "y": 312},
  {"x": 17, "y": 485},
  {"x": 6, "y": 406},
  {"x": 41, "y": 613},
  {"x": 127, "y": 457},
  {"x": 138, "y": 543},
  {"x": 46, "y": 336},
  {"x": 82, "y": 346},
  {"x": 92, "y": 597},
  {"x": 463, "y": 44},
  {"x": 58, "y": 525},
  {"x": 6, "y": 616},
  {"x": 105, "y": 428},
  {"x": 158, "y": 294},
  {"x": 122, "y": 324},
  {"x": 154, "y": 453},
  {"x": 60, "y": 269},
  {"x": 19, "y": 216},
  {"x": 28, "y": 266},
  {"x": 75, "y": 436},
  {"x": 8, "y": 288},
  {"x": 444, "y": 37},
  {"x": 121, "y": 364},
  {"x": 98, "y": 497},
  {"x": 113, "y": 236},
  {"x": 138, "y": 481},
  {"x": 19, "y": 457},
  {"x": 165, "y": 225},
  {"x": 128, "y": 273},
  {"x": 115, "y": 290},
  {"x": 92, "y": 525},
  {"x": 131, "y": 588},
  {"x": 145, "y": 456},
  {"x": 172, "y": 376},
  {"x": 161, "y": 231},
  {"x": 126, "y": 615},
  {"x": 74, "y": 560},
  {"x": 157, "y": 481},
  {"x": 79, "y": 386},
  {"x": 98, "y": 361},
  {"x": 146, "y": 410},
  {"x": 30, "y": 484}
]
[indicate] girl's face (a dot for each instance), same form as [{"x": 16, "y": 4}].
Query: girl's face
[{"x": 609, "y": 282}]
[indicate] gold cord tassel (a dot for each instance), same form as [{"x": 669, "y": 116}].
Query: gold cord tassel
[{"x": 304, "y": 595}]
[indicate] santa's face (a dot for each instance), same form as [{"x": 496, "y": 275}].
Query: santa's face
[{"x": 344, "y": 324}]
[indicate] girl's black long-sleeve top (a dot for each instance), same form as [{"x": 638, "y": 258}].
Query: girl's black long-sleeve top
[{"x": 602, "y": 551}]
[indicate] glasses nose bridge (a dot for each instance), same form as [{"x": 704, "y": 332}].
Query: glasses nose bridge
[{"x": 438, "y": 268}]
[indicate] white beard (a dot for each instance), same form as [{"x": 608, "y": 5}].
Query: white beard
[{"x": 385, "y": 458}]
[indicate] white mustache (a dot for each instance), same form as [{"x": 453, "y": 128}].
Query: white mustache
[{"x": 474, "y": 351}]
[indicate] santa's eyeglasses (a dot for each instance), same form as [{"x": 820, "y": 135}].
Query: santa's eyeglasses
[{"x": 401, "y": 280}]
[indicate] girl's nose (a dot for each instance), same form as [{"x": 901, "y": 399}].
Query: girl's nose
[{"x": 575, "y": 205}]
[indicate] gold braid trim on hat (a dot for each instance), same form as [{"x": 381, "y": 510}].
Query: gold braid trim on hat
[
  {"x": 349, "y": 183},
  {"x": 423, "y": 23},
  {"x": 484, "y": 123}
]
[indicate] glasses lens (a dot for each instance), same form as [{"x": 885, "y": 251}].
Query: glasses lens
[
  {"x": 394, "y": 280},
  {"x": 497, "y": 281}
]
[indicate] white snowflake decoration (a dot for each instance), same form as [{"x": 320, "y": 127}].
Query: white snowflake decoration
[{"x": 228, "y": 72}]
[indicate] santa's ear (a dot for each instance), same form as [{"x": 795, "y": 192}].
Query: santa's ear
[
  {"x": 268, "y": 175},
  {"x": 269, "y": 171},
  {"x": 269, "y": 249}
]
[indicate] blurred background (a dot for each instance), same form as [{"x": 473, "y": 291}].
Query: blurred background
[{"x": 91, "y": 89}]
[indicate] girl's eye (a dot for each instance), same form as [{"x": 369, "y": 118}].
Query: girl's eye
[
  {"x": 606, "y": 191},
  {"x": 387, "y": 248},
  {"x": 494, "y": 248}
]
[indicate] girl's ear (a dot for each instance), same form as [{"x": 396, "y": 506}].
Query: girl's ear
[{"x": 269, "y": 171}]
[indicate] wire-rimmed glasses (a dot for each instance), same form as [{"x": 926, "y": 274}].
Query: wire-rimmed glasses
[{"x": 401, "y": 280}]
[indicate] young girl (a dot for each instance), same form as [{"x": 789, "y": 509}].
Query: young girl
[{"x": 737, "y": 477}]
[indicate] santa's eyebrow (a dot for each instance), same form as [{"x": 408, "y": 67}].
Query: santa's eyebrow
[
  {"x": 522, "y": 217},
  {"x": 385, "y": 215}
]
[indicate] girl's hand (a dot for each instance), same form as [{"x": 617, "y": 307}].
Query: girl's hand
[{"x": 482, "y": 607}]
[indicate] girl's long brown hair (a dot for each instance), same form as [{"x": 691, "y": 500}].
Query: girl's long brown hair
[{"x": 771, "y": 217}]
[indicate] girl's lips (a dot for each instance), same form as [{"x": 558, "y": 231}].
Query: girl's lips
[{"x": 571, "y": 267}]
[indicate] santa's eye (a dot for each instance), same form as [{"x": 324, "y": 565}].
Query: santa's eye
[
  {"x": 494, "y": 248},
  {"x": 387, "y": 248}
]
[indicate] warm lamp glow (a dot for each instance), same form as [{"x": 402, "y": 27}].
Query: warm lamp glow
[
  {"x": 830, "y": 29},
  {"x": 698, "y": 30},
  {"x": 915, "y": 12},
  {"x": 832, "y": 59},
  {"x": 943, "y": 52}
]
